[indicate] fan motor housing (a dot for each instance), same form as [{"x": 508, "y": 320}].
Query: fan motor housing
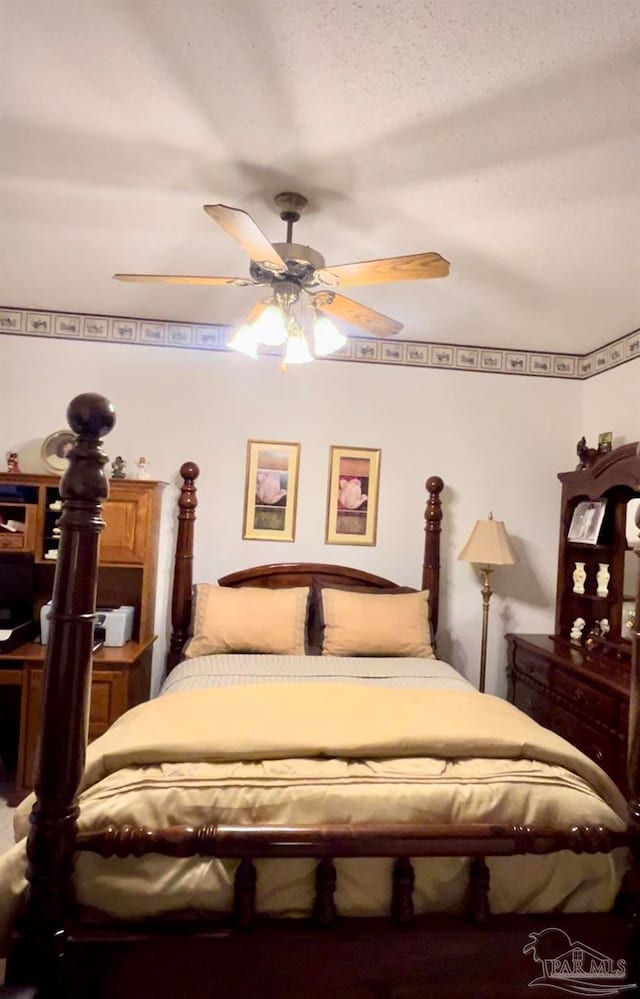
[{"x": 302, "y": 263}]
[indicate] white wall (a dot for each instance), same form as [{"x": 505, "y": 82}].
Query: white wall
[
  {"x": 497, "y": 441},
  {"x": 610, "y": 402}
]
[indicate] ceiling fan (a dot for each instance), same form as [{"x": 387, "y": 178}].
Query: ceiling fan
[{"x": 298, "y": 273}]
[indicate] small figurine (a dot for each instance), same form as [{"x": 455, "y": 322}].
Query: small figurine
[
  {"x": 586, "y": 455},
  {"x": 141, "y": 469},
  {"x": 594, "y": 636},
  {"x": 12, "y": 462},
  {"x": 577, "y": 628},
  {"x": 117, "y": 468},
  {"x": 605, "y": 627}
]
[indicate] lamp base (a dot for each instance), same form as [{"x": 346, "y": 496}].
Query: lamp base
[{"x": 486, "y": 592}]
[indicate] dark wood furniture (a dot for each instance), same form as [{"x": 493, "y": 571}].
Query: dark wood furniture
[
  {"x": 581, "y": 688},
  {"x": 582, "y": 697},
  {"x": 127, "y": 575},
  {"x": 70, "y": 954}
]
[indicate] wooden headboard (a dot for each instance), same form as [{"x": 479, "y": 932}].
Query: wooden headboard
[{"x": 285, "y": 574}]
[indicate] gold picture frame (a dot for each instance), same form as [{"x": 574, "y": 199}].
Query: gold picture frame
[
  {"x": 271, "y": 491},
  {"x": 352, "y": 504}
]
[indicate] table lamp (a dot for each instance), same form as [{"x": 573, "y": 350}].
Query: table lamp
[{"x": 487, "y": 547}]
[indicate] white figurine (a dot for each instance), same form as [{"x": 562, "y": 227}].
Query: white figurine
[
  {"x": 605, "y": 627},
  {"x": 141, "y": 469},
  {"x": 577, "y": 628}
]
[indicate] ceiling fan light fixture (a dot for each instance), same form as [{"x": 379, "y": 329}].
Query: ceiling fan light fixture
[
  {"x": 297, "y": 350},
  {"x": 245, "y": 341},
  {"x": 270, "y": 328},
  {"x": 327, "y": 338}
]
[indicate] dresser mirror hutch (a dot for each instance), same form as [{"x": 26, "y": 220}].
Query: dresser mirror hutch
[{"x": 576, "y": 681}]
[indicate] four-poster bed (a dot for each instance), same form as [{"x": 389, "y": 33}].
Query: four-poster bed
[{"x": 68, "y": 947}]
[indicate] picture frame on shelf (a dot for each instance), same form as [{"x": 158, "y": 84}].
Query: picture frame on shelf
[
  {"x": 586, "y": 522},
  {"x": 352, "y": 503},
  {"x": 54, "y": 450},
  {"x": 605, "y": 442},
  {"x": 271, "y": 491}
]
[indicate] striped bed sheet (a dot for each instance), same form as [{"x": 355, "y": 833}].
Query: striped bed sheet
[{"x": 230, "y": 669}]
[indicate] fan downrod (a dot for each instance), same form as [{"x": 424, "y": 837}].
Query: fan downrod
[{"x": 290, "y": 205}]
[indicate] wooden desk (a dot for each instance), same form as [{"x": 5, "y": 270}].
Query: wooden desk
[{"x": 120, "y": 680}]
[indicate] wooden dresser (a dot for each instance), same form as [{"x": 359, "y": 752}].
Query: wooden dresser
[
  {"x": 583, "y": 698},
  {"x": 577, "y": 681},
  {"x": 127, "y": 576}
]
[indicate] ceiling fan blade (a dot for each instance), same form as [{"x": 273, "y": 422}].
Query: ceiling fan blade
[
  {"x": 257, "y": 311},
  {"x": 186, "y": 279},
  {"x": 356, "y": 313},
  {"x": 413, "y": 267},
  {"x": 241, "y": 227}
]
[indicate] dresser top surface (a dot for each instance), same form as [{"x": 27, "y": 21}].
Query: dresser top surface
[{"x": 601, "y": 670}]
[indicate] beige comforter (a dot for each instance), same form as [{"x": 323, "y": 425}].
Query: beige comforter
[{"x": 298, "y": 754}]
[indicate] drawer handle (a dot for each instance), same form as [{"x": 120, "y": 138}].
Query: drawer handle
[{"x": 599, "y": 755}]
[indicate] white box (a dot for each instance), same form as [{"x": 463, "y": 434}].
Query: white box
[{"x": 116, "y": 621}]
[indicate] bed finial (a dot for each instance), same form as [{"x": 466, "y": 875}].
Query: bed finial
[{"x": 91, "y": 415}]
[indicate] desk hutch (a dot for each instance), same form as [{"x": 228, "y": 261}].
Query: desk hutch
[{"x": 127, "y": 576}]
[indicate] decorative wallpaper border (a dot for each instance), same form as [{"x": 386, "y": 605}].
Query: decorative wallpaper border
[{"x": 411, "y": 353}]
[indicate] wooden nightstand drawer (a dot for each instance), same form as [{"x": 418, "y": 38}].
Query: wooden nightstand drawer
[{"x": 587, "y": 700}]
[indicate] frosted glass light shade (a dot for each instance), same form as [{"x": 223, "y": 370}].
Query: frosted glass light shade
[
  {"x": 327, "y": 338},
  {"x": 270, "y": 327},
  {"x": 244, "y": 340},
  {"x": 297, "y": 350},
  {"x": 488, "y": 544}
]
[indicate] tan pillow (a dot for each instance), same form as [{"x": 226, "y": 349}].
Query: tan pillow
[
  {"x": 376, "y": 624},
  {"x": 248, "y": 619}
]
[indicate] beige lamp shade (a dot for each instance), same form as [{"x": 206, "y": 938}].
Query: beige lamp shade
[{"x": 488, "y": 544}]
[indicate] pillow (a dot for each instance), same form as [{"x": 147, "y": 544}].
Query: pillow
[
  {"x": 376, "y": 624},
  {"x": 248, "y": 619}
]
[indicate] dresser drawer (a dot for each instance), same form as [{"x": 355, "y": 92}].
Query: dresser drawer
[
  {"x": 529, "y": 663},
  {"x": 593, "y": 744},
  {"x": 12, "y": 542},
  {"x": 533, "y": 702},
  {"x": 587, "y": 700}
]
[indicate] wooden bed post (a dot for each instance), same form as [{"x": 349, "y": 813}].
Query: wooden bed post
[
  {"x": 632, "y": 880},
  {"x": 66, "y": 689},
  {"x": 431, "y": 563},
  {"x": 183, "y": 572}
]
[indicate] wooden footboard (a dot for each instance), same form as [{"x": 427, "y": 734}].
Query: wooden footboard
[{"x": 401, "y": 958}]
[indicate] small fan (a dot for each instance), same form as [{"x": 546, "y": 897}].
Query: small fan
[{"x": 294, "y": 271}]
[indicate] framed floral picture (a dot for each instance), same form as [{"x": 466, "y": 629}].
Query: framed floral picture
[
  {"x": 271, "y": 491},
  {"x": 352, "y": 506}
]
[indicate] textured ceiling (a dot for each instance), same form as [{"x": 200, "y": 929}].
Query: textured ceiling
[{"x": 504, "y": 134}]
